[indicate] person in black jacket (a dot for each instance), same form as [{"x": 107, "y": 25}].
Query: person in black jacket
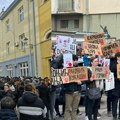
[
  {"x": 7, "y": 109},
  {"x": 116, "y": 90},
  {"x": 30, "y": 106}
]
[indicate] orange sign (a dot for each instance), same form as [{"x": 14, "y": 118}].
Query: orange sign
[
  {"x": 91, "y": 48},
  {"x": 109, "y": 49},
  {"x": 97, "y": 38}
]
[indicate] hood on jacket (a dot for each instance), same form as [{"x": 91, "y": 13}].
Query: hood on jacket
[{"x": 29, "y": 97}]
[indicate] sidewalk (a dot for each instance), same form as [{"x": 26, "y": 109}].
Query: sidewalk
[{"x": 102, "y": 111}]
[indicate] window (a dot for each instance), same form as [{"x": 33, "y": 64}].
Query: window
[
  {"x": 24, "y": 69},
  {"x": 76, "y": 23},
  {"x": 8, "y": 25},
  {"x": 0, "y": 70},
  {"x": 8, "y": 47},
  {"x": 23, "y": 42},
  {"x": 9, "y": 70},
  {"x": 21, "y": 14},
  {"x": 64, "y": 23}
]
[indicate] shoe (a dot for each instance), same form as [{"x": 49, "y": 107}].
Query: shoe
[
  {"x": 115, "y": 118},
  {"x": 98, "y": 117},
  {"x": 58, "y": 114},
  {"x": 109, "y": 113},
  {"x": 86, "y": 118}
]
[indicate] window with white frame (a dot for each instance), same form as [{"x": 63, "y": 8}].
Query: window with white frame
[
  {"x": 8, "y": 25},
  {"x": 0, "y": 70},
  {"x": 9, "y": 70},
  {"x": 8, "y": 47},
  {"x": 23, "y": 43},
  {"x": 24, "y": 69},
  {"x": 21, "y": 14}
]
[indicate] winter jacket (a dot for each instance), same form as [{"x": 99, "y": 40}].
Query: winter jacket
[
  {"x": 113, "y": 68},
  {"x": 31, "y": 107},
  {"x": 8, "y": 114}
]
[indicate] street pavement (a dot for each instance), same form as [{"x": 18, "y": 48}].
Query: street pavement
[{"x": 102, "y": 111}]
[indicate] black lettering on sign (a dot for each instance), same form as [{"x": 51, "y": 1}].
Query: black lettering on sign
[
  {"x": 100, "y": 75},
  {"x": 76, "y": 71},
  {"x": 98, "y": 69},
  {"x": 90, "y": 46},
  {"x": 72, "y": 47},
  {"x": 91, "y": 51},
  {"x": 108, "y": 53},
  {"x": 59, "y": 72}
]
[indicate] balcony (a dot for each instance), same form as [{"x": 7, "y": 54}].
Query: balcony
[{"x": 66, "y": 6}]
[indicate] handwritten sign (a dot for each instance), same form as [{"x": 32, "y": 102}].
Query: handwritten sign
[
  {"x": 118, "y": 70},
  {"x": 110, "y": 83},
  {"x": 100, "y": 73},
  {"x": 68, "y": 75},
  {"x": 91, "y": 48},
  {"x": 68, "y": 60},
  {"x": 108, "y": 50},
  {"x": 97, "y": 38}
]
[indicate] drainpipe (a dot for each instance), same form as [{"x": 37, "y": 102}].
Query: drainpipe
[
  {"x": 34, "y": 32},
  {"x": 87, "y": 16}
]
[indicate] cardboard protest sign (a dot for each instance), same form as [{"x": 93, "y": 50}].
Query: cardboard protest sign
[
  {"x": 110, "y": 82},
  {"x": 118, "y": 70},
  {"x": 77, "y": 74},
  {"x": 100, "y": 73},
  {"x": 108, "y": 50},
  {"x": 68, "y": 60},
  {"x": 91, "y": 48},
  {"x": 97, "y": 38},
  {"x": 68, "y": 75}
]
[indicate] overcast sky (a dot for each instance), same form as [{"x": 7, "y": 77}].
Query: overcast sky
[{"x": 5, "y": 3}]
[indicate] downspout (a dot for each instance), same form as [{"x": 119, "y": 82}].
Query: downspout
[
  {"x": 34, "y": 32},
  {"x": 87, "y": 16},
  {"x": 29, "y": 33}
]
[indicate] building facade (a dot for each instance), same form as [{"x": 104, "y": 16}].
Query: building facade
[{"x": 17, "y": 46}]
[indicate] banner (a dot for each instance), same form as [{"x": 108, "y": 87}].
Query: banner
[
  {"x": 97, "y": 38},
  {"x": 118, "y": 70},
  {"x": 91, "y": 48},
  {"x": 68, "y": 75},
  {"x": 108, "y": 50},
  {"x": 110, "y": 83},
  {"x": 100, "y": 73},
  {"x": 106, "y": 62}
]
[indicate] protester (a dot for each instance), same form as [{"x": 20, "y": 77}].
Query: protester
[
  {"x": 7, "y": 111},
  {"x": 92, "y": 105},
  {"x": 30, "y": 106},
  {"x": 116, "y": 90}
]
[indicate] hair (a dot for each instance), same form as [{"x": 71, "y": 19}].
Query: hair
[
  {"x": 92, "y": 59},
  {"x": 7, "y": 103},
  {"x": 31, "y": 87},
  {"x": 75, "y": 57},
  {"x": 117, "y": 55}
]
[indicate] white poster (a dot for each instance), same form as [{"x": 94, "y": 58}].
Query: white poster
[
  {"x": 64, "y": 40},
  {"x": 110, "y": 83},
  {"x": 68, "y": 60},
  {"x": 70, "y": 48},
  {"x": 106, "y": 62},
  {"x": 101, "y": 60}
]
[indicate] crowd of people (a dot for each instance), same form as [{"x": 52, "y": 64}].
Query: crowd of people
[{"x": 27, "y": 98}]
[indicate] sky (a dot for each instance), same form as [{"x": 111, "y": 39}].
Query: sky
[{"x": 5, "y": 3}]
